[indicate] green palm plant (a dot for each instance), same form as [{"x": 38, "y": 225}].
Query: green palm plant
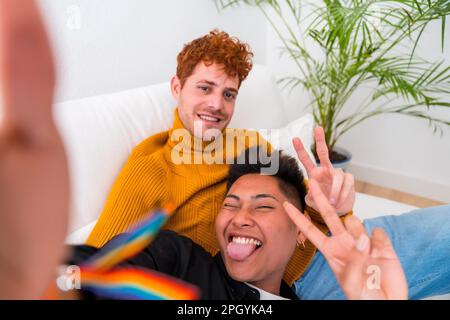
[{"x": 363, "y": 44}]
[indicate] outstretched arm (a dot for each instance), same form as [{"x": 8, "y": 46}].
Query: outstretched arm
[
  {"x": 34, "y": 184},
  {"x": 366, "y": 267}
]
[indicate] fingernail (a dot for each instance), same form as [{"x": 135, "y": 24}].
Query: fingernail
[
  {"x": 332, "y": 201},
  {"x": 362, "y": 242},
  {"x": 286, "y": 205}
]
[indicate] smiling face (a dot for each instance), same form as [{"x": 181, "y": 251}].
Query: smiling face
[
  {"x": 255, "y": 234},
  {"x": 206, "y": 99}
]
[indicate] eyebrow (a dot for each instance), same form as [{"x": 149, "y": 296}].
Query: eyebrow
[
  {"x": 212, "y": 83},
  {"x": 258, "y": 196},
  {"x": 264, "y": 195},
  {"x": 233, "y": 197}
]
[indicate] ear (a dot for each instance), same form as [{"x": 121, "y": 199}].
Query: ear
[
  {"x": 300, "y": 236},
  {"x": 175, "y": 87}
]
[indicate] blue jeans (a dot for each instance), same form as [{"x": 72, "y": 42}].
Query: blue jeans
[{"x": 421, "y": 239}]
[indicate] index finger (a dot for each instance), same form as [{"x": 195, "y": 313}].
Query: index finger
[
  {"x": 310, "y": 231},
  {"x": 321, "y": 148},
  {"x": 303, "y": 155}
]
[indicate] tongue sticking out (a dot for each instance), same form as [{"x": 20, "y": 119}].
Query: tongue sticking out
[{"x": 240, "y": 252}]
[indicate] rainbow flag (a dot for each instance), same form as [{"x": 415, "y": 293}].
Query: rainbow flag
[
  {"x": 128, "y": 245},
  {"x": 98, "y": 277},
  {"x": 136, "y": 284}
]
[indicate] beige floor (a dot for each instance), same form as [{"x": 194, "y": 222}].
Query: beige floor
[{"x": 374, "y": 190}]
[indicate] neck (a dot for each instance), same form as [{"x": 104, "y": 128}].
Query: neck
[
  {"x": 185, "y": 139},
  {"x": 271, "y": 284}
]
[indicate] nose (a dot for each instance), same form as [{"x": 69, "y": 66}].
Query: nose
[
  {"x": 243, "y": 218},
  {"x": 216, "y": 102}
]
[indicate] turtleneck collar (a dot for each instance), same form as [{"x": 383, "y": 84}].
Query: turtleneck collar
[{"x": 221, "y": 150}]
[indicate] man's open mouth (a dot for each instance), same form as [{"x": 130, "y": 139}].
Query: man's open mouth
[
  {"x": 209, "y": 118},
  {"x": 240, "y": 248}
]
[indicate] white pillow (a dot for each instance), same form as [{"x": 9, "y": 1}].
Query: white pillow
[
  {"x": 281, "y": 139},
  {"x": 80, "y": 236},
  {"x": 99, "y": 134},
  {"x": 259, "y": 104}
]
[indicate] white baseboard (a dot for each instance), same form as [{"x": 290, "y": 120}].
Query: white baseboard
[{"x": 392, "y": 180}]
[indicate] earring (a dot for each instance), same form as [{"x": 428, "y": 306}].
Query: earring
[{"x": 303, "y": 244}]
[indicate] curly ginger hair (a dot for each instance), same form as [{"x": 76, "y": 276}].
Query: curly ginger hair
[{"x": 216, "y": 47}]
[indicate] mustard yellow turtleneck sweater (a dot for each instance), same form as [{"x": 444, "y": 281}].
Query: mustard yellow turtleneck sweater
[{"x": 152, "y": 177}]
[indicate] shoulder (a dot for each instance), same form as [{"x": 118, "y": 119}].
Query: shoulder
[
  {"x": 151, "y": 145},
  {"x": 176, "y": 254},
  {"x": 171, "y": 241},
  {"x": 148, "y": 156}
]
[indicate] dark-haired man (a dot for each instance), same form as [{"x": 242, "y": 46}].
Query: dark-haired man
[{"x": 257, "y": 239}]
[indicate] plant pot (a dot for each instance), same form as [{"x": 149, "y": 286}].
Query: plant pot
[
  {"x": 342, "y": 164},
  {"x": 342, "y": 153}
]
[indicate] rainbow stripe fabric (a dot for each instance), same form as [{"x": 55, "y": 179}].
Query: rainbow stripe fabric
[
  {"x": 128, "y": 245},
  {"x": 98, "y": 276},
  {"x": 136, "y": 284}
]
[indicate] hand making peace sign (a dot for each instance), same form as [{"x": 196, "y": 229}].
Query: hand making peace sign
[
  {"x": 338, "y": 187},
  {"x": 366, "y": 267}
]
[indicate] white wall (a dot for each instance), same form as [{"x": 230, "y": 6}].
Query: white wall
[
  {"x": 393, "y": 151},
  {"x": 403, "y": 152},
  {"x": 103, "y": 46},
  {"x": 123, "y": 44}
]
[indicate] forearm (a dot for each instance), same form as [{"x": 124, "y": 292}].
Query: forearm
[
  {"x": 25, "y": 275},
  {"x": 17, "y": 281}
]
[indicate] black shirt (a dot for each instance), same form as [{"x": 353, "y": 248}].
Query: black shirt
[{"x": 180, "y": 257}]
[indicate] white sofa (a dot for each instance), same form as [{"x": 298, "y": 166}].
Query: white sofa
[{"x": 100, "y": 132}]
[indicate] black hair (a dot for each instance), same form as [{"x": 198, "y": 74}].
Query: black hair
[{"x": 289, "y": 175}]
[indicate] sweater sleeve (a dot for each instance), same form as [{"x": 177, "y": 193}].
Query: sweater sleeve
[{"x": 138, "y": 189}]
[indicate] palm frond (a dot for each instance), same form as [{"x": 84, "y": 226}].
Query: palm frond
[{"x": 360, "y": 41}]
